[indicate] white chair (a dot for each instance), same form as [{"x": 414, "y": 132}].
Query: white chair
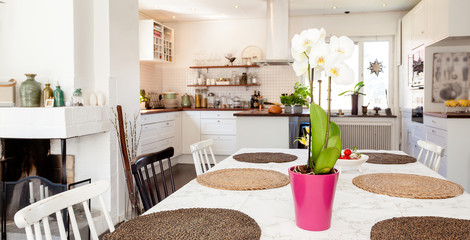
[
  {"x": 433, "y": 156},
  {"x": 39, "y": 211},
  {"x": 200, "y": 156}
]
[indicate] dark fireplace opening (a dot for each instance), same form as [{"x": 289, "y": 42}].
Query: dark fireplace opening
[{"x": 29, "y": 172}]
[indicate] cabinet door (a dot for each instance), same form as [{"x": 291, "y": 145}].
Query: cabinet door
[
  {"x": 223, "y": 144},
  {"x": 418, "y": 25},
  {"x": 218, "y": 126},
  {"x": 191, "y": 129},
  {"x": 177, "y": 143}
]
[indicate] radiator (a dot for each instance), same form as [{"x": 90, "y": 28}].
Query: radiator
[{"x": 368, "y": 135}]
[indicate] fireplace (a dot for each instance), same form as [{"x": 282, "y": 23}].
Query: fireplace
[{"x": 37, "y": 141}]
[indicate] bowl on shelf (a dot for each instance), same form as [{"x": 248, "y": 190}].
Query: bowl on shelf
[{"x": 352, "y": 162}]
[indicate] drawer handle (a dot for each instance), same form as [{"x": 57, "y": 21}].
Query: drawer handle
[
  {"x": 218, "y": 115},
  {"x": 218, "y": 121},
  {"x": 433, "y": 121},
  {"x": 433, "y": 131}
]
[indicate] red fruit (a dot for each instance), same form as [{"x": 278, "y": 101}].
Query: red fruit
[
  {"x": 347, "y": 152},
  {"x": 346, "y": 157}
]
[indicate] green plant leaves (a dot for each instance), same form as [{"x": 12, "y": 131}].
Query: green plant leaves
[
  {"x": 326, "y": 160},
  {"x": 319, "y": 122}
]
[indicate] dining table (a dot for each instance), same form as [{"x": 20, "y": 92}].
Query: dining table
[{"x": 355, "y": 211}]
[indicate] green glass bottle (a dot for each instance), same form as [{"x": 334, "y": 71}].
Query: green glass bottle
[
  {"x": 58, "y": 97},
  {"x": 47, "y": 93},
  {"x": 30, "y": 92}
]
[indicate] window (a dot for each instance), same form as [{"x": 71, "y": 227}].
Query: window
[{"x": 376, "y": 86}]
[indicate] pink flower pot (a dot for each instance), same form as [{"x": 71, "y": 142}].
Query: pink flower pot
[{"x": 313, "y": 199}]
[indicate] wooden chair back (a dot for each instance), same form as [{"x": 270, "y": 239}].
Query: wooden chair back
[
  {"x": 32, "y": 215},
  {"x": 202, "y": 161},
  {"x": 147, "y": 182},
  {"x": 433, "y": 156}
]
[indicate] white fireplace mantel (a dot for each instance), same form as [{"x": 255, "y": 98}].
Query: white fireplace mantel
[{"x": 50, "y": 123}]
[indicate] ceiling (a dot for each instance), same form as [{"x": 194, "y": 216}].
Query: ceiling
[{"x": 206, "y": 10}]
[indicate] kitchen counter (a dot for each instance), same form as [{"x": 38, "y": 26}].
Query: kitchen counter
[
  {"x": 305, "y": 113},
  {"x": 152, "y": 111},
  {"x": 447, "y": 115}
]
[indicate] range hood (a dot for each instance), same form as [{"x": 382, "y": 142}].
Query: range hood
[{"x": 277, "y": 34}]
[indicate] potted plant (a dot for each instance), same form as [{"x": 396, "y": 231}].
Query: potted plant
[
  {"x": 313, "y": 185},
  {"x": 354, "y": 96},
  {"x": 287, "y": 100},
  {"x": 301, "y": 93}
]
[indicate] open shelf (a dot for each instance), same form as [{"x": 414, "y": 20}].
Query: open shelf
[
  {"x": 231, "y": 85},
  {"x": 229, "y": 66}
]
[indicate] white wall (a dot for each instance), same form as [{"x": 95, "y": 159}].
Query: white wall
[
  {"x": 38, "y": 37},
  {"x": 212, "y": 39}
]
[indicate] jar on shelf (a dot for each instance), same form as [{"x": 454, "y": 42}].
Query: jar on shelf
[{"x": 77, "y": 98}]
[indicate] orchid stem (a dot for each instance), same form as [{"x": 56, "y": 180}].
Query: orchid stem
[
  {"x": 309, "y": 161},
  {"x": 328, "y": 113}
]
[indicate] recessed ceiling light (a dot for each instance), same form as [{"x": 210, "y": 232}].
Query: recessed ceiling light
[
  {"x": 156, "y": 7},
  {"x": 174, "y": 17},
  {"x": 334, "y": 7},
  {"x": 236, "y": 6},
  {"x": 384, "y": 4},
  {"x": 223, "y": 14},
  {"x": 193, "y": 9}
]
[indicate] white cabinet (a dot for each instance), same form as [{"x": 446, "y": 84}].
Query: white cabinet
[
  {"x": 220, "y": 126},
  {"x": 191, "y": 127},
  {"x": 452, "y": 134},
  {"x": 418, "y": 31},
  {"x": 160, "y": 131},
  {"x": 155, "y": 41}
]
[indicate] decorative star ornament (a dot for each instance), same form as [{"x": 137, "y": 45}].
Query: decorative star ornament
[
  {"x": 418, "y": 66},
  {"x": 376, "y": 67}
]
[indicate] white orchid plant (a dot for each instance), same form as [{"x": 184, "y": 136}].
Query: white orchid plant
[{"x": 312, "y": 55}]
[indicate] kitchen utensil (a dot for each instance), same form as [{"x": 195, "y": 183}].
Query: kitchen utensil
[
  {"x": 185, "y": 100},
  {"x": 169, "y": 95}
]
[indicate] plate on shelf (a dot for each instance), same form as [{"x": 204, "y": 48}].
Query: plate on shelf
[{"x": 252, "y": 52}]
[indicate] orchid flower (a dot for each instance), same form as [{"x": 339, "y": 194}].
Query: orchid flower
[{"x": 311, "y": 53}]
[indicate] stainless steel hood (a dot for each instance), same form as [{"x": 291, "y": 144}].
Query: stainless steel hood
[{"x": 277, "y": 34}]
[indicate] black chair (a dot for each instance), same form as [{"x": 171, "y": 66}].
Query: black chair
[{"x": 146, "y": 182}]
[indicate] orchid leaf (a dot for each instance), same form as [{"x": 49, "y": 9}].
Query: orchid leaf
[
  {"x": 327, "y": 160},
  {"x": 335, "y": 142},
  {"x": 319, "y": 122},
  {"x": 334, "y": 130}
]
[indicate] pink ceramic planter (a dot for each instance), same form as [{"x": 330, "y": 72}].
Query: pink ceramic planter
[{"x": 313, "y": 199}]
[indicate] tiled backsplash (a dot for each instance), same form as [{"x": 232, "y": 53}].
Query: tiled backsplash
[{"x": 273, "y": 80}]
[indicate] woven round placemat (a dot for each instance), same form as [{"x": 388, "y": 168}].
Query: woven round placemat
[
  {"x": 265, "y": 157},
  {"x": 243, "y": 179},
  {"x": 408, "y": 185},
  {"x": 190, "y": 223},
  {"x": 421, "y": 228},
  {"x": 389, "y": 158}
]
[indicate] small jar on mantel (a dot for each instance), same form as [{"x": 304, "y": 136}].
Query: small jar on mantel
[
  {"x": 77, "y": 98},
  {"x": 30, "y": 92}
]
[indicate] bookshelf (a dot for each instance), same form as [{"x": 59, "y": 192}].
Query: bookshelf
[{"x": 156, "y": 41}]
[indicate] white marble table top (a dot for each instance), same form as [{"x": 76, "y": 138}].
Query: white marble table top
[{"x": 355, "y": 211}]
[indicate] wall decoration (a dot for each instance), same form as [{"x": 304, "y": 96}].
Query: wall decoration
[
  {"x": 416, "y": 67},
  {"x": 450, "y": 78},
  {"x": 376, "y": 67}
]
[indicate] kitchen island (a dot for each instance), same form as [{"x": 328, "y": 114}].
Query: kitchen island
[{"x": 279, "y": 130}]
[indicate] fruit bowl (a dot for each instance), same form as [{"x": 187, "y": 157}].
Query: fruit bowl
[{"x": 352, "y": 162}]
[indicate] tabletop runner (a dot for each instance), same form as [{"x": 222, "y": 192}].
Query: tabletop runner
[
  {"x": 265, "y": 157},
  {"x": 243, "y": 179},
  {"x": 421, "y": 228},
  {"x": 189, "y": 223},
  {"x": 408, "y": 185},
  {"x": 389, "y": 158}
]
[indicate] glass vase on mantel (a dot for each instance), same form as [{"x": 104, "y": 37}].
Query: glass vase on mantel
[
  {"x": 58, "y": 97},
  {"x": 30, "y": 92},
  {"x": 47, "y": 93}
]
